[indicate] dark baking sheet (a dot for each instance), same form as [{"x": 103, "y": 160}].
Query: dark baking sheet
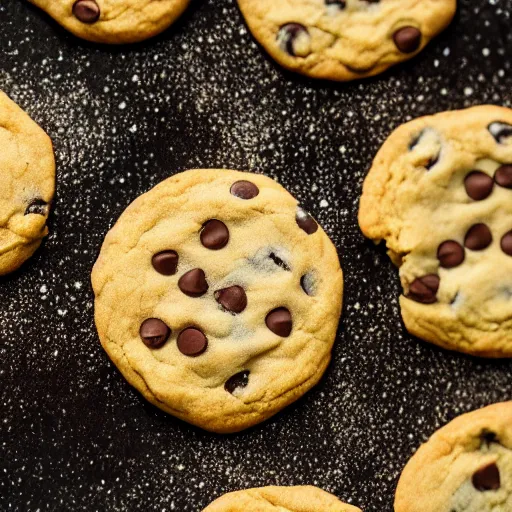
[{"x": 74, "y": 435}]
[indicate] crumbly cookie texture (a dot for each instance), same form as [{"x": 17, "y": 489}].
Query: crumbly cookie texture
[
  {"x": 440, "y": 194},
  {"x": 280, "y": 499},
  {"x": 466, "y": 466},
  {"x": 27, "y": 172},
  {"x": 345, "y": 39},
  {"x": 218, "y": 298},
  {"x": 114, "y": 21}
]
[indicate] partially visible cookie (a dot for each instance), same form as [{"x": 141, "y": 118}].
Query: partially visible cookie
[
  {"x": 114, "y": 21},
  {"x": 280, "y": 499},
  {"x": 218, "y": 298},
  {"x": 345, "y": 39},
  {"x": 465, "y": 467},
  {"x": 27, "y": 177},
  {"x": 440, "y": 194}
]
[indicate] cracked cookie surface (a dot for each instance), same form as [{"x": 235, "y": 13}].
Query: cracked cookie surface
[
  {"x": 440, "y": 194},
  {"x": 280, "y": 499},
  {"x": 466, "y": 466},
  {"x": 218, "y": 298},
  {"x": 345, "y": 39},
  {"x": 27, "y": 171},
  {"x": 114, "y": 21}
]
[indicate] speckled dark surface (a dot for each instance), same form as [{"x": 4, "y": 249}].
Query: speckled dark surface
[{"x": 74, "y": 435}]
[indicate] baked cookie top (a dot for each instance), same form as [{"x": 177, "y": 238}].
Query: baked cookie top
[
  {"x": 465, "y": 467},
  {"x": 218, "y": 298},
  {"x": 440, "y": 194},
  {"x": 345, "y": 39},
  {"x": 280, "y": 499},
  {"x": 27, "y": 174},
  {"x": 114, "y": 21}
]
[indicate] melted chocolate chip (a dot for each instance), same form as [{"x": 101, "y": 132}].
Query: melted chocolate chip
[
  {"x": 506, "y": 243},
  {"x": 487, "y": 478},
  {"x": 244, "y": 189},
  {"x": 340, "y": 4},
  {"x": 214, "y": 235},
  {"x": 278, "y": 261},
  {"x": 305, "y": 221},
  {"x": 450, "y": 254},
  {"x": 478, "y": 237},
  {"x": 500, "y": 131},
  {"x": 86, "y": 11},
  {"x": 192, "y": 342},
  {"x": 424, "y": 289},
  {"x": 165, "y": 262},
  {"x": 239, "y": 380},
  {"x": 288, "y": 35},
  {"x": 433, "y": 161},
  {"x": 407, "y": 39},
  {"x": 232, "y": 299},
  {"x": 478, "y": 185},
  {"x": 154, "y": 332},
  {"x": 279, "y": 321},
  {"x": 193, "y": 283},
  {"x": 503, "y": 176},
  {"x": 488, "y": 437},
  {"x": 37, "y": 207}
]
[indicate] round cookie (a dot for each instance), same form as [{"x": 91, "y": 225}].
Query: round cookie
[
  {"x": 440, "y": 194},
  {"x": 27, "y": 172},
  {"x": 114, "y": 21},
  {"x": 465, "y": 467},
  {"x": 275, "y": 499},
  {"x": 345, "y": 39},
  {"x": 218, "y": 298}
]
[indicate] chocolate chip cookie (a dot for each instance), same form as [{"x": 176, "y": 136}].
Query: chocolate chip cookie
[
  {"x": 273, "y": 499},
  {"x": 440, "y": 194},
  {"x": 345, "y": 39},
  {"x": 218, "y": 298},
  {"x": 27, "y": 172},
  {"x": 465, "y": 467},
  {"x": 114, "y": 21}
]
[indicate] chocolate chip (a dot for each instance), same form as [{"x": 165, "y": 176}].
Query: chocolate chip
[
  {"x": 232, "y": 299},
  {"x": 192, "y": 342},
  {"x": 506, "y": 243},
  {"x": 450, "y": 254},
  {"x": 478, "y": 237},
  {"x": 193, "y": 283},
  {"x": 503, "y": 176},
  {"x": 487, "y": 478},
  {"x": 340, "y": 4},
  {"x": 279, "y": 321},
  {"x": 165, "y": 262},
  {"x": 214, "y": 235},
  {"x": 278, "y": 261},
  {"x": 500, "y": 131},
  {"x": 244, "y": 189},
  {"x": 305, "y": 221},
  {"x": 424, "y": 289},
  {"x": 239, "y": 380},
  {"x": 154, "y": 332},
  {"x": 37, "y": 207},
  {"x": 478, "y": 185},
  {"x": 407, "y": 39},
  {"x": 288, "y": 36},
  {"x": 308, "y": 284},
  {"x": 86, "y": 11},
  {"x": 488, "y": 437}
]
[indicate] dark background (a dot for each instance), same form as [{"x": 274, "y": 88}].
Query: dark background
[{"x": 74, "y": 435}]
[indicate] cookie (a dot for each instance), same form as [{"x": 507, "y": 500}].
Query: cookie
[
  {"x": 27, "y": 172},
  {"x": 114, "y": 21},
  {"x": 440, "y": 194},
  {"x": 275, "y": 499},
  {"x": 465, "y": 467},
  {"x": 345, "y": 39},
  {"x": 218, "y": 298}
]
